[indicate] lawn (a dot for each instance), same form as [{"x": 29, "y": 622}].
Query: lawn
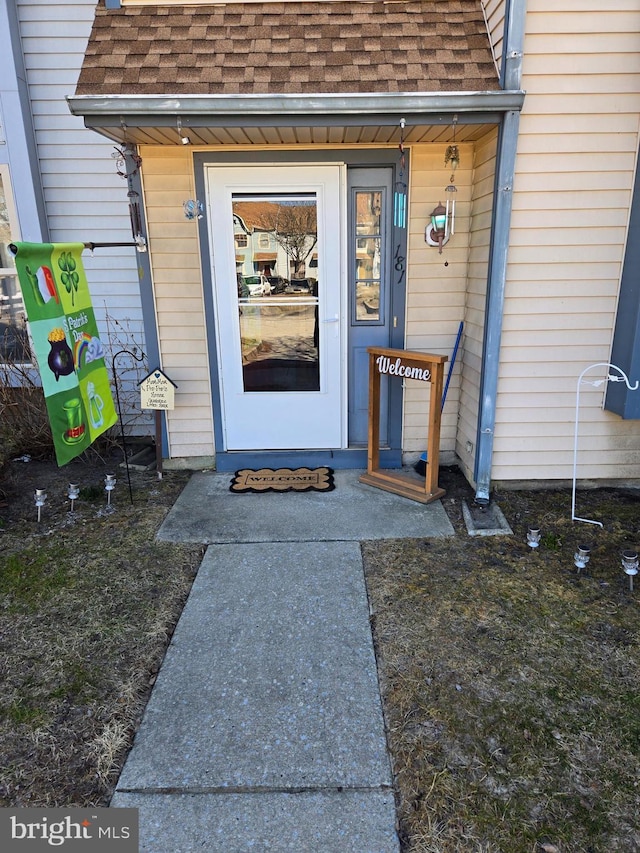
[
  {"x": 510, "y": 681},
  {"x": 509, "y": 677},
  {"x": 88, "y": 603}
]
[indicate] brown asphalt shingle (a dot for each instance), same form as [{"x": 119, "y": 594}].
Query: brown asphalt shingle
[{"x": 289, "y": 48}]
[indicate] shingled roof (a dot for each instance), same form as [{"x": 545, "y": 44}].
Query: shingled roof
[{"x": 289, "y": 48}]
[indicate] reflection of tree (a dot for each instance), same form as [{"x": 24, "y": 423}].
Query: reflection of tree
[{"x": 295, "y": 229}]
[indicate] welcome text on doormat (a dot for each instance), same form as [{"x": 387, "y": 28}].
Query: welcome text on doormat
[{"x": 283, "y": 480}]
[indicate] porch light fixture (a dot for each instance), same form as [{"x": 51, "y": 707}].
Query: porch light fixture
[
  {"x": 630, "y": 565},
  {"x": 436, "y": 233},
  {"x": 443, "y": 218}
]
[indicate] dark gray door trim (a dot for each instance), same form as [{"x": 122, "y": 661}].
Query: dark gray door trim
[{"x": 337, "y": 458}]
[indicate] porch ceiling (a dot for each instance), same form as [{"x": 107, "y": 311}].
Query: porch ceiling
[{"x": 294, "y": 135}]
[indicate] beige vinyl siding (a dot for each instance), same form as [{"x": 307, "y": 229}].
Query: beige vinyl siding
[
  {"x": 179, "y": 300},
  {"x": 474, "y": 318},
  {"x": 572, "y": 191},
  {"x": 436, "y": 289}
]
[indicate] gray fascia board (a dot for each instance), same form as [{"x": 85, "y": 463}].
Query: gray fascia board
[{"x": 388, "y": 108}]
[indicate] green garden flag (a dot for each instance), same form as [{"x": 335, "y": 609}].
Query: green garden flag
[{"x": 67, "y": 347}]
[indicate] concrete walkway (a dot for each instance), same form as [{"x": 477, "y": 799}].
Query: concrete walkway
[{"x": 264, "y": 731}]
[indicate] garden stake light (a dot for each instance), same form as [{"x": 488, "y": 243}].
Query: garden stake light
[
  {"x": 533, "y": 537},
  {"x": 40, "y": 498},
  {"x": 581, "y": 557},
  {"x": 73, "y": 493},
  {"x": 109, "y": 486},
  {"x": 630, "y": 565}
]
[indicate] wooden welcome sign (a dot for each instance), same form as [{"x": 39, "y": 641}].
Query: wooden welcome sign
[{"x": 424, "y": 367}]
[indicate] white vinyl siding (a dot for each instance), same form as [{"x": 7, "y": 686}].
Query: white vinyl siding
[
  {"x": 572, "y": 192},
  {"x": 177, "y": 273},
  {"x": 86, "y": 201}
]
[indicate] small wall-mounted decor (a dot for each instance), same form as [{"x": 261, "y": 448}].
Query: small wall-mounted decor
[{"x": 193, "y": 209}]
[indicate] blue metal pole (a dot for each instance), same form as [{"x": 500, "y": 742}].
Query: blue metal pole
[{"x": 451, "y": 363}]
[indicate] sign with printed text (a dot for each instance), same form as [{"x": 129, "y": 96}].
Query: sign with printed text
[
  {"x": 33, "y": 830},
  {"x": 157, "y": 391},
  {"x": 403, "y": 365},
  {"x": 67, "y": 345}
]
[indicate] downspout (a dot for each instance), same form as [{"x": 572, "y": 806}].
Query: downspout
[
  {"x": 147, "y": 297},
  {"x": 510, "y": 77}
]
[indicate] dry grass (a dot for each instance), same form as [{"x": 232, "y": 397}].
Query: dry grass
[
  {"x": 88, "y": 602},
  {"x": 510, "y": 681}
]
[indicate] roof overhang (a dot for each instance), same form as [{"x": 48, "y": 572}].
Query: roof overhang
[{"x": 144, "y": 118}]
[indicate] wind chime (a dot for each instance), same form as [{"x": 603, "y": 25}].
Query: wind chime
[
  {"x": 443, "y": 217},
  {"x": 120, "y": 155},
  {"x": 400, "y": 190}
]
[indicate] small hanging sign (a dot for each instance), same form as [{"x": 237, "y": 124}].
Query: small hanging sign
[{"x": 157, "y": 391}]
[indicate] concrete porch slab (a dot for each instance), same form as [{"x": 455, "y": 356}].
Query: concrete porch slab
[{"x": 208, "y": 512}]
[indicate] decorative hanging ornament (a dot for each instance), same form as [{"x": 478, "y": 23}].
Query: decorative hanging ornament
[
  {"x": 400, "y": 189},
  {"x": 443, "y": 217}
]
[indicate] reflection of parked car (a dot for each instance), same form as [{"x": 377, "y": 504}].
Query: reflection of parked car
[
  {"x": 243, "y": 290},
  {"x": 278, "y": 284},
  {"x": 257, "y": 285},
  {"x": 299, "y": 285}
]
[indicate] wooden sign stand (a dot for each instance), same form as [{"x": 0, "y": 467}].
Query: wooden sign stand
[{"x": 409, "y": 365}]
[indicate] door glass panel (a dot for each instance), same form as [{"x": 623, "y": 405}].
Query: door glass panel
[
  {"x": 368, "y": 257},
  {"x": 275, "y": 239}
]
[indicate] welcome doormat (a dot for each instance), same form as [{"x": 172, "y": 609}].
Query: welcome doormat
[{"x": 283, "y": 480}]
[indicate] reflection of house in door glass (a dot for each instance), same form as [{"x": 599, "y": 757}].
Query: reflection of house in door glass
[
  {"x": 368, "y": 255},
  {"x": 276, "y": 241}
]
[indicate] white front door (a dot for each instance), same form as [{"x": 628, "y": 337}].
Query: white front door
[{"x": 277, "y": 276}]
